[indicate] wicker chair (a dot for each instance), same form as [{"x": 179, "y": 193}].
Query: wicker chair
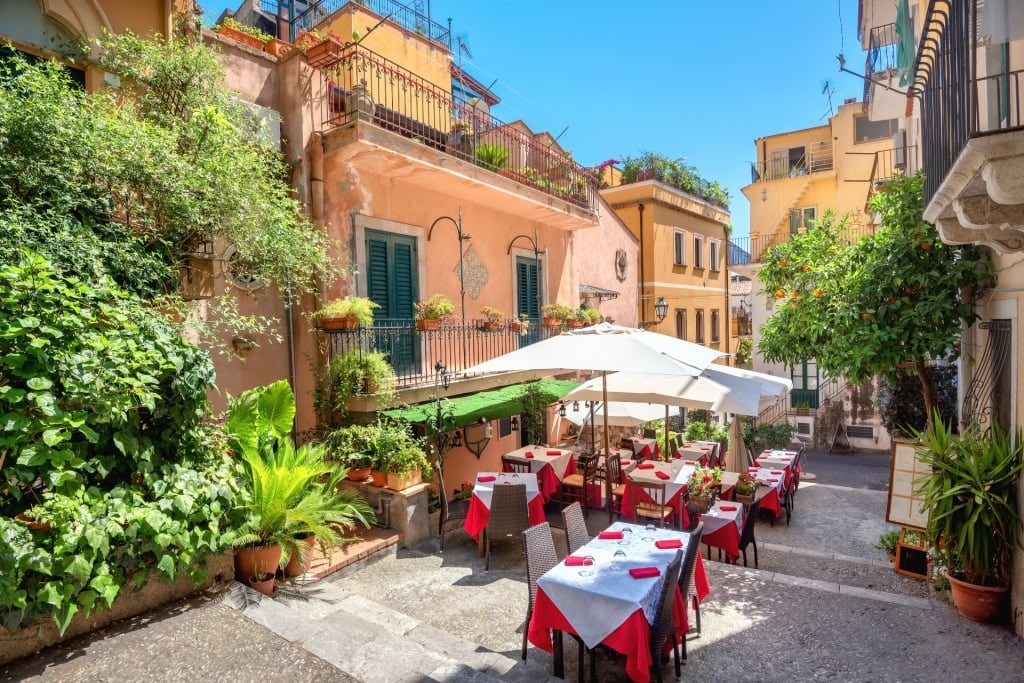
[
  {"x": 577, "y": 487},
  {"x": 453, "y": 513},
  {"x": 509, "y": 518},
  {"x": 576, "y": 534},
  {"x": 687, "y": 584},
  {"x": 664, "y": 628},
  {"x": 747, "y": 536},
  {"x": 540, "y": 557},
  {"x": 648, "y": 500}
]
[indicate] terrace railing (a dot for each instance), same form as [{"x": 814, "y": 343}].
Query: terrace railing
[
  {"x": 887, "y": 164},
  {"x": 817, "y": 157},
  {"x": 365, "y": 86},
  {"x": 412, "y": 353},
  {"x": 398, "y": 12},
  {"x": 881, "y": 55},
  {"x": 959, "y": 99},
  {"x": 758, "y": 244}
]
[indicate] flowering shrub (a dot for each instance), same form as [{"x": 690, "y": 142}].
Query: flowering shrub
[
  {"x": 704, "y": 482},
  {"x": 746, "y": 485}
]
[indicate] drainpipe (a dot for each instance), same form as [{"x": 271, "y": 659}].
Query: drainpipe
[
  {"x": 728, "y": 299},
  {"x": 643, "y": 308}
]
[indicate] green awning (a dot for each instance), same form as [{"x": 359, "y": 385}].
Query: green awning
[{"x": 492, "y": 405}]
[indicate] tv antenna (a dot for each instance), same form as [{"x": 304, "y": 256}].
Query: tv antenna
[{"x": 828, "y": 89}]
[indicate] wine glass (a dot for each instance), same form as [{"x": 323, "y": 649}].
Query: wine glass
[
  {"x": 588, "y": 561},
  {"x": 618, "y": 560}
]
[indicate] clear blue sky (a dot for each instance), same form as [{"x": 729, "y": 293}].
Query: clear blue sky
[{"x": 683, "y": 78}]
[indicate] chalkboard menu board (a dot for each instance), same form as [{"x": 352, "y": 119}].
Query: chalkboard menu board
[
  {"x": 904, "y": 506},
  {"x": 912, "y": 554}
]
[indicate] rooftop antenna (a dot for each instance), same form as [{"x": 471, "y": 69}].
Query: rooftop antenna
[
  {"x": 463, "y": 47},
  {"x": 827, "y": 89}
]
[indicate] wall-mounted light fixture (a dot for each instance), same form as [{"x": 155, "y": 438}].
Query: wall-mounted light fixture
[
  {"x": 561, "y": 409},
  {"x": 514, "y": 424},
  {"x": 661, "y": 308},
  {"x": 478, "y": 435},
  {"x": 575, "y": 406}
]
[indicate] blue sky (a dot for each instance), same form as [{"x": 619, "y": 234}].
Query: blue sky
[{"x": 687, "y": 79}]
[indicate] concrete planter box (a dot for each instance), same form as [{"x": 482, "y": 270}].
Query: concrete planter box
[
  {"x": 404, "y": 511},
  {"x": 129, "y": 603}
]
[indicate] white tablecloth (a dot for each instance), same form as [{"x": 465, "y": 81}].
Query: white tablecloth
[
  {"x": 597, "y": 599},
  {"x": 484, "y": 489},
  {"x": 716, "y": 518},
  {"x": 776, "y": 459},
  {"x": 540, "y": 458},
  {"x": 678, "y": 472}
]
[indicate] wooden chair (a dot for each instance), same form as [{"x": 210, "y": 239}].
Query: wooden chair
[
  {"x": 509, "y": 517},
  {"x": 453, "y": 514},
  {"x": 576, "y": 534},
  {"x": 687, "y": 584},
  {"x": 648, "y": 500},
  {"x": 613, "y": 470},
  {"x": 578, "y": 487},
  {"x": 512, "y": 465}
]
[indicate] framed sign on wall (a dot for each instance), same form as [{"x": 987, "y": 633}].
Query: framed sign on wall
[{"x": 904, "y": 506}]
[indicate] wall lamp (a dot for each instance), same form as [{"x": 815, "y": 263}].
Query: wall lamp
[
  {"x": 661, "y": 308},
  {"x": 514, "y": 424},
  {"x": 463, "y": 237}
]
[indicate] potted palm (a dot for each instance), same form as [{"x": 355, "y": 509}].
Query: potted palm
[
  {"x": 971, "y": 499},
  {"x": 289, "y": 493},
  {"x": 430, "y": 312},
  {"x": 345, "y": 314}
]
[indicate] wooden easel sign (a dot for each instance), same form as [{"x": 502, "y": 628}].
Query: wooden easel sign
[
  {"x": 840, "y": 441},
  {"x": 912, "y": 554}
]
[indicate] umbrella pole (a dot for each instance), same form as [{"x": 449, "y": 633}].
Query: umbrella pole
[
  {"x": 668, "y": 456},
  {"x": 609, "y": 501}
]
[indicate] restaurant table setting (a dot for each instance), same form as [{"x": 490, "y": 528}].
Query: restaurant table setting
[
  {"x": 674, "y": 474},
  {"x": 480, "y": 502},
  {"x": 774, "y": 480},
  {"x": 645, "y": 449},
  {"x": 551, "y": 465},
  {"x": 723, "y": 526},
  {"x": 607, "y": 592},
  {"x": 700, "y": 451}
]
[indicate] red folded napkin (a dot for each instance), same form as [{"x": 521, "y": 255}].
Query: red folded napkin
[
  {"x": 485, "y": 478},
  {"x": 645, "y": 466},
  {"x": 609, "y": 535},
  {"x": 625, "y": 462},
  {"x": 669, "y": 543},
  {"x": 661, "y": 475},
  {"x": 554, "y": 452},
  {"x": 689, "y": 462},
  {"x": 726, "y": 508},
  {"x": 529, "y": 454},
  {"x": 773, "y": 480},
  {"x": 776, "y": 471},
  {"x": 574, "y": 561},
  {"x": 644, "y": 572}
]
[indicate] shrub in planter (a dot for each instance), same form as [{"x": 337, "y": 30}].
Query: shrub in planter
[
  {"x": 357, "y": 372},
  {"x": 348, "y": 312},
  {"x": 430, "y": 312}
]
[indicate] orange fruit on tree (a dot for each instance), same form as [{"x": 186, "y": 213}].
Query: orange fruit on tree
[
  {"x": 865, "y": 316},
  {"x": 780, "y": 293},
  {"x": 817, "y": 291}
]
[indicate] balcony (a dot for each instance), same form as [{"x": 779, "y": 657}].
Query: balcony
[
  {"x": 365, "y": 88},
  {"x": 817, "y": 157},
  {"x": 972, "y": 126},
  {"x": 881, "y": 56},
  {"x": 751, "y": 250},
  {"x": 888, "y": 164},
  {"x": 412, "y": 353}
]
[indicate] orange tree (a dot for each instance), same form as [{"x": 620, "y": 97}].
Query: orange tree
[{"x": 893, "y": 299}]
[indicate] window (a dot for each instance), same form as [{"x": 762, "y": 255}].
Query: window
[
  {"x": 801, "y": 218},
  {"x": 714, "y": 257},
  {"x": 715, "y": 337},
  {"x": 786, "y": 163},
  {"x": 681, "y": 323},
  {"x": 679, "y": 247},
  {"x": 504, "y": 427},
  {"x": 866, "y": 130},
  {"x": 699, "y": 324},
  {"x": 698, "y": 251}
]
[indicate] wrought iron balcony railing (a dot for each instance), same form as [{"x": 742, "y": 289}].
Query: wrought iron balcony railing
[
  {"x": 816, "y": 157},
  {"x": 759, "y": 243},
  {"x": 888, "y": 164},
  {"x": 412, "y": 353},
  {"x": 966, "y": 90},
  {"x": 365, "y": 86},
  {"x": 398, "y": 12},
  {"x": 881, "y": 55}
]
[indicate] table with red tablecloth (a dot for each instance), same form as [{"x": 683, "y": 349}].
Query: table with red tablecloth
[
  {"x": 551, "y": 465},
  {"x": 645, "y": 449},
  {"x": 779, "y": 460},
  {"x": 723, "y": 526},
  {"x": 701, "y": 451},
  {"x": 772, "y": 483},
  {"x": 603, "y": 604},
  {"x": 674, "y": 474},
  {"x": 480, "y": 502}
]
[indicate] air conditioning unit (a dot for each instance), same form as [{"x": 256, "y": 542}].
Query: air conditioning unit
[{"x": 899, "y": 144}]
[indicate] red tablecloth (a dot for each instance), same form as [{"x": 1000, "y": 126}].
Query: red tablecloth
[
  {"x": 478, "y": 514},
  {"x": 727, "y": 536},
  {"x": 541, "y": 464}
]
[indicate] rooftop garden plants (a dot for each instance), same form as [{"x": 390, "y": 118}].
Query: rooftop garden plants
[{"x": 674, "y": 172}]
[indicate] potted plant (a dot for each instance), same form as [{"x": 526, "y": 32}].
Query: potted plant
[
  {"x": 345, "y": 314},
  {"x": 555, "y": 314},
  {"x": 289, "y": 492},
  {"x": 579, "y": 318},
  {"x": 492, "y": 318},
  {"x": 277, "y": 48},
  {"x": 887, "y": 543},
  {"x": 359, "y": 372},
  {"x": 701, "y": 489},
  {"x": 971, "y": 499},
  {"x": 430, "y": 312},
  {"x": 491, "y": 156},
  {"x": 521, "y": 325},
  {"x": 247, "y": 35},
  {"x": 460, "y": 139},
  {"x": 746, "y": 488},
  {"x": 407, "y": 464},
  {"x": 593, "y": 315}
]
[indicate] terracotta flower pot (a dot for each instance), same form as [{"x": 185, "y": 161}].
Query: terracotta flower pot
[
  {"x": 299, "y": 562},
  {"x": 349, "y": 322},
  {"x": 256, "y": 561},
  {"x": 428, "y": 324},
  {"x": 380, "y": 478},
  {"x": 977, "y": 603},
  {"x": 359, "y": 473},
  {"x": 264, "y": 583},
  {"x": 552, "y": 322}
]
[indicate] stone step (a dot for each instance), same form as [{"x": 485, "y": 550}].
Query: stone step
[{"x": 372, "y": 642}]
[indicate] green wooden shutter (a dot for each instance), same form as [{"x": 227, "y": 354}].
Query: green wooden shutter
[
  {"x": 527, "y": 287},
  {"x": 377, "y": 274},
  {"x": 392, "y": 283}
]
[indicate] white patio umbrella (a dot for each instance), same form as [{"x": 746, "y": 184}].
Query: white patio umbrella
[
  {"x": 606, "y": 348},
  {"x": 619, "y": 414}
]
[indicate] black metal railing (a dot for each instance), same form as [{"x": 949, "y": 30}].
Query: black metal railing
[
  {"x": 887, "y": 164},
  {"x": 412, "y": 353},
  {"x": 365, "y": 86},
  {"x": 817, "y": 157},
  {"x": 757, "y": 244},
  {"x": 959, "y": 100},
  {"x": 397, "y": 12},
  {"x": 881, "y": 55}
]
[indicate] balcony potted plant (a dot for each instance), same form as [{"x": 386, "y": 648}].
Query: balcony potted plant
[
  {"x": 491, "y": 156},
  {"x": 579, "y": 318},
  {"x": 431, "y": 312},
  {"x": 521, "y": 325},
  {"x": 460, "y": 139},
  {"x": 492, "y": 318},
  {"x": 971, "y": 499},
  {"x": 247, "y": 35},
  {"x": 555, "y": 314},
  {"x": 345, "y": 314}
]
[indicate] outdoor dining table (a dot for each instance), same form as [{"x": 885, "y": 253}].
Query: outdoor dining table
[
  {"x": 772, "y": 481},
  {"x": 675, "y": 474},
  {"x": 645, "y": 448},
  {"x": 723, "y": 526},
  {"x": 778, "y": 460},
  {"x": 602, "y": 603},
  {"x": 551, "y": 465},
  {"x": 479, "y": 511},
  {"x": 700, "y": 451}
]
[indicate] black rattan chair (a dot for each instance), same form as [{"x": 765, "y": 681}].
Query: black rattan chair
[
  {"x": 687, "y": 583},
  {"x": 576, "y": 534},
  {"x": 664, "y": 627},
  {"x": 509, "y": 517},
  {"x": 747, "y": 537}
]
